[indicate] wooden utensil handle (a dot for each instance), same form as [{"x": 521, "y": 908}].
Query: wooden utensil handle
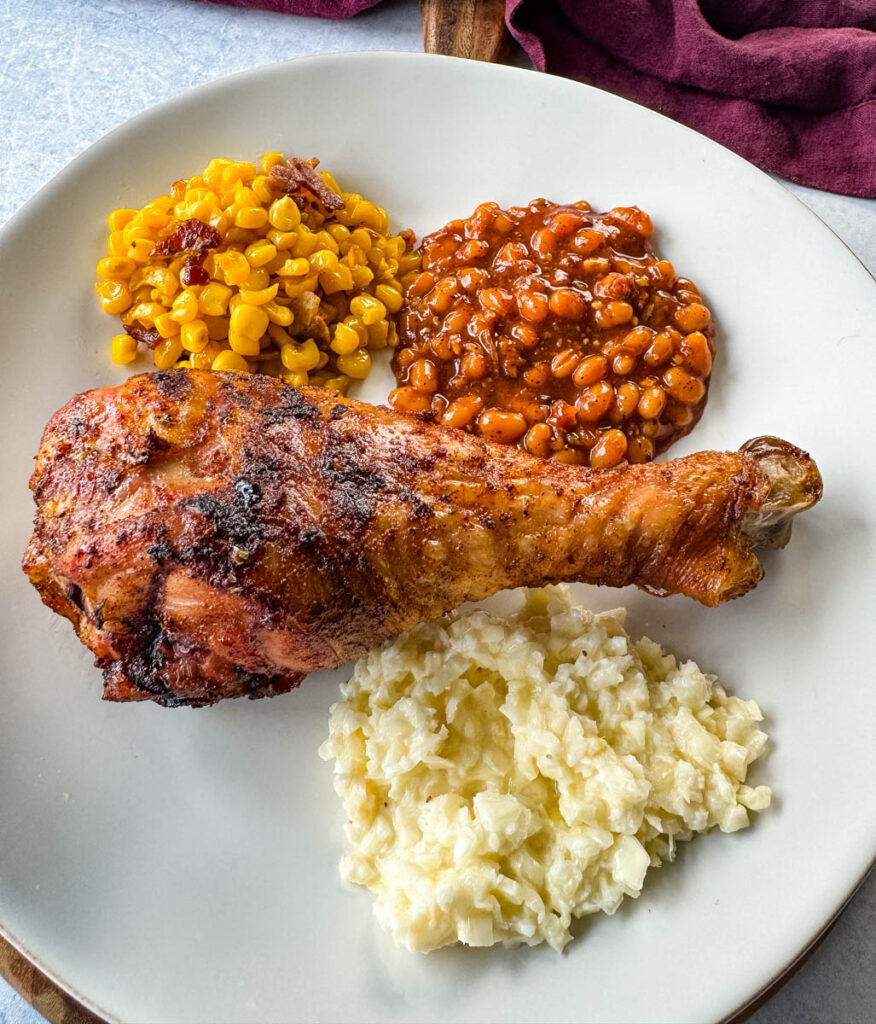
[
  {"x": 465, "y": 28},
  {"x": 56, "y": 1005}
]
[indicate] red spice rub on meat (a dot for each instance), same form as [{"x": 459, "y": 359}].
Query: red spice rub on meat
[{"x": 214, "y": 535}]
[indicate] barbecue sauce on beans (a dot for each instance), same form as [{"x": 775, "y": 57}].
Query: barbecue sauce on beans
[{"x": 557, "y": 329}]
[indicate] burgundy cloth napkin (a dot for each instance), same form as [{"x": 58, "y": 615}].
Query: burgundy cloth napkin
[{"x": 789, "y": 84}]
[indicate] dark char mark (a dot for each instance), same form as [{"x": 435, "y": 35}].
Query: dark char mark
[
  {"x": 161, "y": 553},
  {"x": 254, "y": 681},
  {"x": 349, "y": 482},
  {"x": 295, "y": 406},
  {"x": 249, "y": 492},
  {"x": 144, "y": 667},
  {"x": 260, "y": 467},
  {"x": 74, "y": 593},
  {"x": 173, "y": 383},
  {"x": 197, "y": 553},
  {"x": 155, "y": 442},
  {"x": 236, "y": 520},
  {"x": 422, "y": 510},
  {"x": 414, "y": 464},
  {"x": 112, "y": 480}
]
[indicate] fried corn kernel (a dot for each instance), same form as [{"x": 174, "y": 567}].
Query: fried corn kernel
[
  {"x": 268, "y": 282},
  {"x": 361, "y": 277},
  {"x": 203, "y": 360},
  {"x": 338, "y": 280},
  {"x": 185, "y": 307},
  {"x": 251, "y": 217},
  {"x": 164, "y": 283},
  {"x": 145, "y": 313},
  {"x": 323, "y": 259},
  {"x": 306, "y": 242},
  {"x": 261, "y": 296},
  {"x": 356, "y": 365},
  {"x": 248, "y": 324},
  {"x": 270, "y": 160},
  {"x": 339, "y": 384},
  {"x": 284, "y": 214},
  {"x": 278, "y": 335},
  {"x": 233, "y": 266},
  {"x": 358, "y": 327},
  {"x": 389, "y": 296},
  {"x": 299, "y": 286},
  {"x": 369, "y": 309},
  {"x": 123, "y": 350},
  {"x": 261, "y": 252},
  {"x": 119, "y": 219},
  {"x": 116, "y": 268},
  {"x": 166, "y": 326},
  {"x": 300, "y": 357},
  {"x": 280, "y": 315},
  {"x": 194, "y": 336},
  {"x": 140, "y": 249},
  {"x": 378, "y": 334},
  {"x": 345, "y": 340},
  {"x": 228, "y": 360},
  {"x": 116, "y": 244},
  {"x": 214, "y": 299},
  {"x": 294, "y": 268},
  {"x": 166, "y": 353},
  {"x": 217, "y": 327},
  {"x": 339, "y": 232},
  {"x": 113, "y": 296}
]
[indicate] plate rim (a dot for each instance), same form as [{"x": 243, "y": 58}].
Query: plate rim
[
  {"x": 156, "y": 109},
  {"x": 110, "y": 139},
  {"x": 65, "y": 989}
]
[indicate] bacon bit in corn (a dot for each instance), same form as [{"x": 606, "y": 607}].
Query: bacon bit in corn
[
  {"x": 147, "y": 336},
  {"x": 193, "y": 272},
  {"x": 191, "y": 235},
  {"x": 297, "y": 175}
]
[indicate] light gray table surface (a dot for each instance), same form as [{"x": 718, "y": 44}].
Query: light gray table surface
[{"x": 70, "y": 70}]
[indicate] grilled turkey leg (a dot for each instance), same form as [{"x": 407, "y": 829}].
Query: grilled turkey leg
[{"x": 213, "y": 535}]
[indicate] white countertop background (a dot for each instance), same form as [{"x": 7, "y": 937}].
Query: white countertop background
[{"x": 70, "y": 70}]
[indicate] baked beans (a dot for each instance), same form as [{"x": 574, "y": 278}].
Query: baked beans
[{"x": 558, "y": 329}]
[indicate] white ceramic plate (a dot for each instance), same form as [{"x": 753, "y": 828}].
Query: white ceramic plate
[{"x": 182, "y": 865}]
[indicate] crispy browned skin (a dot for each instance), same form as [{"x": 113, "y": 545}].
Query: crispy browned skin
[{"x": 212, "y": 535}]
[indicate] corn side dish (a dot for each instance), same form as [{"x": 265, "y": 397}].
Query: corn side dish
[
  {"x": 241, "y": 268},
  {"x": 502, "y": 777}
]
